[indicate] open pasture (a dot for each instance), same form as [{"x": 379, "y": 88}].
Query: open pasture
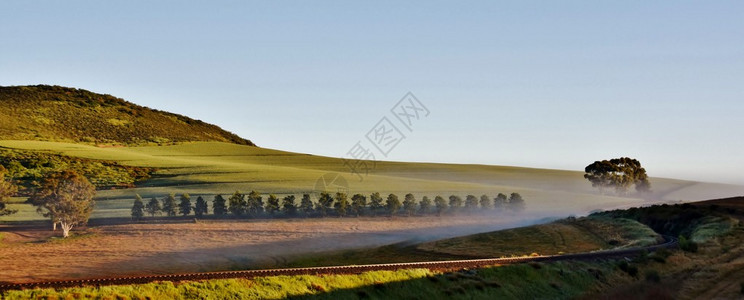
[{"x": 209, "y": 168}]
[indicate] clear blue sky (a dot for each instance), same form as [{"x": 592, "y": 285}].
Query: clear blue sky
[{"x": 554, "y": 84}]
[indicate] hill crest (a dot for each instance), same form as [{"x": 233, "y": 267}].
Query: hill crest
[{"x": 55, "y": 113}]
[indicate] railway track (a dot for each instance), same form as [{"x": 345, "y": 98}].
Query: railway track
[{"x": 670, "y": 242}]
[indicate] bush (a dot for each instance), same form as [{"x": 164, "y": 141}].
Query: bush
[
  {"x": 663, "y": 252},
  {"x": 632, "y": 271},
  {"x": 628, "y": 268},
  {"x": 642, "y": 257},
  {"x": 658, "y": 259},
  {"x": 687, "y": 245},
  {"x": 623, "y": 266},
  {"x": 742, "y": 288},
  {"x": 653, "y": 276}
]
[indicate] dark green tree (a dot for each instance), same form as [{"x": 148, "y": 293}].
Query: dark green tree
[
  {"x": 200, "y": 208},
  {"x": 485, "y": 202},
  {"x": 425, "y": 206},
  {"x": 138, "y": 208},
  {"x": 516, "y": 203},
  {"x": 440, "y": 204},
  {"x": 325, "y": 202},
  {"x": 288, "y": 206},
  {"x": 184, "y": 207},
  {"x": 455, "y": 203},
  {"x": 499, "y": 203},
  {"x": 375, "y": 203},
  {"x": 169, "y": 205},
  {"x": 219, "y": 205},
  {"x": 236, "y": 204},
  {"x": 471, "y": 203},
  {"x": 342, "y": 202},
  {"x": 618, "y": 173},
  {"x": 393, "y": 204},
  {"x": 153, "y": 207},
  {"x": 358, "y": 203},
  {"x": 255, "y": 204},
  {"x": 409, "y": 204},
  {"x": 306, "y": 205},
  {"x": 272, "y": 204}
]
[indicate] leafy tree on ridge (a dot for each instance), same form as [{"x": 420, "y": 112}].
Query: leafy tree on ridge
[
  {"x": 358, "y": 203},
  {"x": 440, "y": 204},
  {"x": 409, "y": 204},
  {"x": 425, "y": 205},
  {"x": 169, "y": 205},
  {"x": 153, "y": 207},
  {"x": 138, "y": 208},
  {"x": 219, "y": 206},
  {"x": 200, "y": 207},
  {"x": 184, "y": 207}
]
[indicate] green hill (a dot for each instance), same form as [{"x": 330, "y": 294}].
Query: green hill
[
  {"x": 49, "y": 128},
  {"x": 54, "y": 113}
]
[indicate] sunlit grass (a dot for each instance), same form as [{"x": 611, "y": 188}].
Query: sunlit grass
[
  {"x": 561, "y": 280},
  {"x": 274, "y": 287},
  {"x": 208, "y": 168}
]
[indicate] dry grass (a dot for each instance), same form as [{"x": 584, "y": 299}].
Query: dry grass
[
  {"x": 582, "y": 235},
  {"x": 30, "y": 254}
]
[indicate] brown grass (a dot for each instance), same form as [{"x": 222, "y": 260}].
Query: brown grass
[{"x": 29, "y": 254}]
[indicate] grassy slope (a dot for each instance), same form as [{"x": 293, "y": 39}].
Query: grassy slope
[
  {"x": 581, "y": 235},
  {"x": 206, "y": 168},
  {"x": 566, "y": 236},
  {"x": 715, "y": 271},
  {"x": 66, "y": 114},
  {"x": 552, "y": 281},
  {"x": 555, "y": 281}
]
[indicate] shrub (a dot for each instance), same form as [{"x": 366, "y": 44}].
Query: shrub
[
  {"x": 665, "y": 253},
  {"x": 632, "y": 271},
  {"x": 687, "y": 245},
  {"x": 658, "y": 259},
  {"x": 623, "y": 266},
  {"x": 535, "y": 265},
  {"x": 652, "y": 276},
  {"x": 642, "y": 257}
]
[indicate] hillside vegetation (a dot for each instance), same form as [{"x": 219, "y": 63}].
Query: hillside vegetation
[
  {"x": 565, "y": 236},
  {"x": 570, "y": 235},
  {"x": 28, "y": 168},
  {"x": 210, "y": 168},
  {"x": 713, "y": 271},
  {"x": 54, "y": 113}
]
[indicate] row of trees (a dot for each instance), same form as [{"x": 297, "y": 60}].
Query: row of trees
[{"x": 252, "y": 205}]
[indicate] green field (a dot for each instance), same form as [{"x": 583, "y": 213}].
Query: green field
[
  {"x": 208, "y": 168},
  {"x": 508, "y": 282}
]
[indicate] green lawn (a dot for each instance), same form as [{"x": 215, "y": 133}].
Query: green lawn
[{"x": 208, "y": 168}]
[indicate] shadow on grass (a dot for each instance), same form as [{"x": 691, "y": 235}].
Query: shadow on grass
[{"x": 524, "y": 281}]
